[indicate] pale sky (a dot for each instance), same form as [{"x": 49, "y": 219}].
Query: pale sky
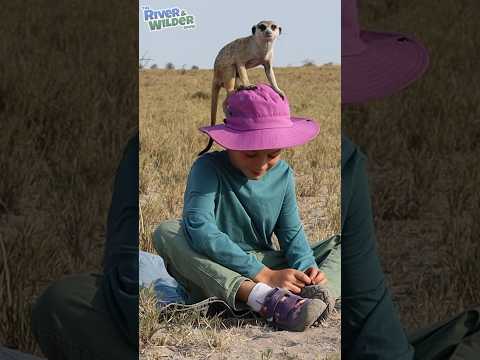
[{"x": 310, "y": 30}]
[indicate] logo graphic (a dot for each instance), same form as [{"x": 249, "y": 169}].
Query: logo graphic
[{"x": 167, "y": 18}]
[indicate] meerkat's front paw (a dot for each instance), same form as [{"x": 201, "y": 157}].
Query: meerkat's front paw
[{"x": 281, "y": 93}]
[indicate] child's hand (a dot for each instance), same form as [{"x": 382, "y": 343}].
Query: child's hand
[
  {"x": 316, "y": 276},
  {"x": 291, "y": 279}
]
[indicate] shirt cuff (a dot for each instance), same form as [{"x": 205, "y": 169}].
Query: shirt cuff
[
  {"x": 307, "y": 263},
  {"x": 255, "y": 270}
]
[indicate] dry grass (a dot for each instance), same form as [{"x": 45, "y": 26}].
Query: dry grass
[
  {"x": 423, "y": 150},
  {"x": 67, "y": 109},
  {"x": 170, "y": 141},
  {"x": 190, "y": 333}
]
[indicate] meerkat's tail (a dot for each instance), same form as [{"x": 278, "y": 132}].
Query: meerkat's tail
[
  {"x": 214, "y": 104},
  {"x": 213, "y": 114},
  {"x": 210, "y": 143}
]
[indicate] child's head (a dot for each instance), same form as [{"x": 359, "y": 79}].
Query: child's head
[{"x": 254, "y": 163}]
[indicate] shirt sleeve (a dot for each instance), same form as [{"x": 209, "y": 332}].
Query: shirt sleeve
[
  {"x": 200, "y": 225},
  {"x": 120, "y": 263},
  {"x": 371, "y": 327},
  {"x": 290, "y": 233}
]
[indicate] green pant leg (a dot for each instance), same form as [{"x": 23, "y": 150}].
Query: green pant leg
[
  {"x": 328, "y": 256},
  {"x": 201, "y": 276},
  {"x": 70, "y": 320},
  {"x": 457, "y": 338}
]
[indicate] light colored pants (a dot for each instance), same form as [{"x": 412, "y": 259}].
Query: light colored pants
[
  {"x": 71, "y": 320},
  {"x": 203, "y": 278}
]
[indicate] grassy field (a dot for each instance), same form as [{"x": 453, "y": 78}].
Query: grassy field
[
  {"x": 173, "y": 104},
  {"x": 423, "y": 149},
  {"x": 67, "y": 109}
]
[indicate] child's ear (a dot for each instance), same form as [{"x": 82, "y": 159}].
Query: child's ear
[{"x": 254, "y": 27}]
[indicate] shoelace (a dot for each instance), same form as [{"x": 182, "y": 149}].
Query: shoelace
[{"x": 203, "y": 307}]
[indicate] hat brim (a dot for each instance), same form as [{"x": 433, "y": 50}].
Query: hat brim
[
  {"x": 302, "y": 131},
  {"x": 390, "y": 62}
]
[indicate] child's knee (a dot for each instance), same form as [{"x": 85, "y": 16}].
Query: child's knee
[
  {"x": 52, "y": 306},
  {"x": 164, "y": 233},
  {"x": 43, "y": 322},
  {"x": 51, "y": 299}
]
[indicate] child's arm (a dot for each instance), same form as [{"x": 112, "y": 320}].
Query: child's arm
[
  {"x": 200, "y": 226},
  {"x": 120, "y": 262},
  {"x": 290, "y": 233},
  {"x": 367, "y": 301}
]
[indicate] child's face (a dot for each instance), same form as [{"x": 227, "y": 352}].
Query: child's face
[{"x": 254, "y": 164}]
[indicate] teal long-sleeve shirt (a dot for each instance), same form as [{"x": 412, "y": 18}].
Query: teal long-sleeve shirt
[
  {"x": 371, "y": 327},
  {"x": 225, "y": 214}
]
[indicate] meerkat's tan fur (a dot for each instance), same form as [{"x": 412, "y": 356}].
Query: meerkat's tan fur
[{"x": 233, "y": 60}]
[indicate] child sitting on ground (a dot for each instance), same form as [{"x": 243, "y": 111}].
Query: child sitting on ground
[{"x": 234, "y": 201}]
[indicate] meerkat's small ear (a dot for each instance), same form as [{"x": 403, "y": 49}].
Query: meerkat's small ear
[
  {"x": 279, "y": 30},
  {"x": 254, "y": 27}
]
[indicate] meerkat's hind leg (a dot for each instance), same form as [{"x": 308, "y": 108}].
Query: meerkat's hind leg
[
  {"x": 238, "y": 83},
  {"x": 249, "y": 87},
  {"x": 239, "y": 86},
  {"x": 242, "y": 73}
]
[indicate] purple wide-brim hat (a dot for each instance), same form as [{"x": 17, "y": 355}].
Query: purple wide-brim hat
[
  {"x": 260, "y": 119},
  {"x": 376, "y": 64},
  {"x": 390, "y": 62},
  {"x": 302, "y": 131}
]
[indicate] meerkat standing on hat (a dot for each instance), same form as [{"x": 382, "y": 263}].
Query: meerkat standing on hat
[{"x": 233, "y": 60}]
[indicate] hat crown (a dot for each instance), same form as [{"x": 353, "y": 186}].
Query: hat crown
[
  {"x": 352, "y": 44},
  {"x": 261, "y": 108}
]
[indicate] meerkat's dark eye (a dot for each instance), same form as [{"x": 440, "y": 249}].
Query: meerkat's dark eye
[
  {"x": 262, "y": 27},
  {"x": 273, "y": 27}
]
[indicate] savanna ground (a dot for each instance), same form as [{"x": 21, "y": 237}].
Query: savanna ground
[
  {"x": 423, "y": 150},
  {"x": 68, "y": 106},
  {"x": 173, "y": 104}
]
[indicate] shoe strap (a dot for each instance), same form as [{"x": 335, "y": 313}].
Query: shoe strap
[{"x": 278, "y": 304}]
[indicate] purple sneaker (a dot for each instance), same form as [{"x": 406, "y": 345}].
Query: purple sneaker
[{"x": 287, "y": 311}]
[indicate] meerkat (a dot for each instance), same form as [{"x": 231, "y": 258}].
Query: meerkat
[{"x": 233, "y": 60}]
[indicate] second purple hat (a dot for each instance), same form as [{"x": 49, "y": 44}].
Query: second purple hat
[{"x": 376, "y": 64}]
